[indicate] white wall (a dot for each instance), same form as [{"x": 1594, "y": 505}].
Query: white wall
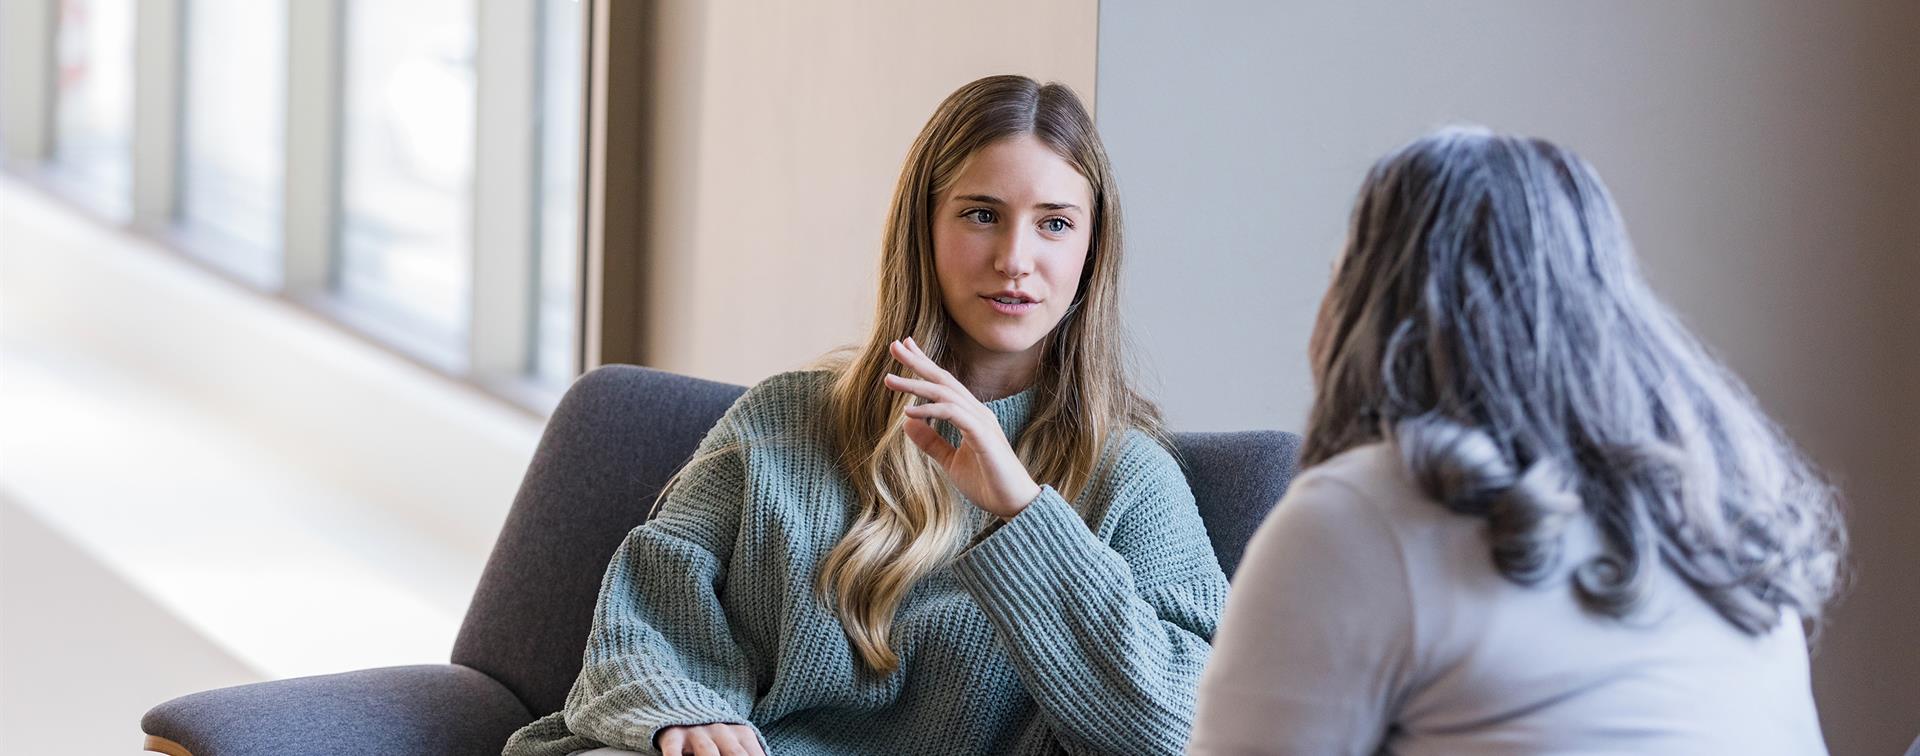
[{"x": 1762, "y": 152}]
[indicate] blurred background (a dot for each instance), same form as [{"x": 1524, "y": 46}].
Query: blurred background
[{"x": 287, "y": 287}]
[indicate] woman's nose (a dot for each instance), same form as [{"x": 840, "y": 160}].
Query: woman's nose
[{"x": 1015, "y": 257}]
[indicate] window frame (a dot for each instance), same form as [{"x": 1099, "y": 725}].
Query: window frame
[{"x": 497, "y": 354}]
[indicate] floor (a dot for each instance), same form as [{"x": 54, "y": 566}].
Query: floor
[
  {"x": 84, "y": 653},
  {"x": 201, "y": 485}
]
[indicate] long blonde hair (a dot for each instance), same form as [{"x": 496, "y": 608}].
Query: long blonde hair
[{"x": 910, "y": 520}]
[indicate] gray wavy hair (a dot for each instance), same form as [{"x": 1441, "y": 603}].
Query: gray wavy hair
[{"x": 1488, "y": 319}]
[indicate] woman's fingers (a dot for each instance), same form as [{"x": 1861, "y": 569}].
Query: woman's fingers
[
  {"x": 929, "y": 440},
  {"x": 908, "y": 353},
  {"x": 928, "y": 390},
  {"x": 726, "y": 740},
  {"x": 938, "y": 374},
  {"x": 970, "y": 424},
  {"x": 947, "y": 412},
  {"x": 956, "y": 405},
  {"x": 710, "y": 740},
  {"x": 934, "y": 384},
  {"x": 701, "y": 743},
  {"x": 747, "y": 742}
]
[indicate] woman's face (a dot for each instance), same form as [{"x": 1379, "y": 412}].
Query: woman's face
[{"x": 1010, "y": 238}]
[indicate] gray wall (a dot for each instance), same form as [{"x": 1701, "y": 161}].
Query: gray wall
[{"x": 1763, "y": 154}]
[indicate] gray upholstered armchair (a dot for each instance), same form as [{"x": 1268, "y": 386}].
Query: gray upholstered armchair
[{"x": 615, "y": 438}]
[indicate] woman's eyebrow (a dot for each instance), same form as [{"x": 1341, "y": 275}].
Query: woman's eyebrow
[{"x": 988, "y": 199}]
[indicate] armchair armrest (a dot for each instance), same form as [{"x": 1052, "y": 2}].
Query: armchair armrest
[{"x": 426, "y": 709}]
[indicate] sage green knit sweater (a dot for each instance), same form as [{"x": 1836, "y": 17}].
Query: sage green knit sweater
[{"x": 1045, "y": 635}]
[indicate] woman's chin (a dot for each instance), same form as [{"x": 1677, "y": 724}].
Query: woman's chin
[{"x": 1007, "y": 343}]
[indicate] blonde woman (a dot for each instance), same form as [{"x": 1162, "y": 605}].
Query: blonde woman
[
  {"x": 1536, "y": 516},
  {"x": 966, "y": 538}
]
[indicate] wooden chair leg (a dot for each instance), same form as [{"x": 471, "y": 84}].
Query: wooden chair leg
[{"x": 157, "y": 744}]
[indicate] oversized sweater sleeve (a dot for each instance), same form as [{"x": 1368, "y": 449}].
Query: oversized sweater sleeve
[
  {"x": 1109, "y": 636},
  {"x": 660, "y": 652}
]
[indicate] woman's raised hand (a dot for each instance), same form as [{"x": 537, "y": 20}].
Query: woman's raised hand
[{"x": 983, "y": 466}]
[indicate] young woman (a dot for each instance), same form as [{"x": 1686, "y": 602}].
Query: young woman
[
  {"x": 1537, "y": 516},
  {"x": 965, "y": 539}
]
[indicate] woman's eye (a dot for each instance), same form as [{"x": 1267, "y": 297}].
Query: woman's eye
[
  {"x": 1056, "y": 225},
  {"x": 978, "y": 215}
]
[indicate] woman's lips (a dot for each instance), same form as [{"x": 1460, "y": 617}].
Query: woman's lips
[{"x": 1004, "y": 308}]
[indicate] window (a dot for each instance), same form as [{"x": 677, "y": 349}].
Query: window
[
  {"x": 407, "y": 125},
  {"x": 329, "y": 153},
  {"x": 558, "y": 254},
  {"x": 93, "y": 117},
  {"x": 231, "y": 155}
]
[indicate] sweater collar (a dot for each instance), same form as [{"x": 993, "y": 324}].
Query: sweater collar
[{"x": 1013, "y": 412}]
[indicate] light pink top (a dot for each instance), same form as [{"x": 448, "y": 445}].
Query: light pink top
[{"x": 1368, "y": 619}]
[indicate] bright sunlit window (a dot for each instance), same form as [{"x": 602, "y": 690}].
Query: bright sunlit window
[
  {"x": 233, "y": 128},
  {"x": 93, "y": 96},
  {"x": 330, "y": 155},
  {"x": 407, "y": 172},
  {"x": 557, "y": 271}
]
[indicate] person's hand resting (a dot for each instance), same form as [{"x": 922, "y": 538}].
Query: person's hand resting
[{"x": 709, "y": 740}]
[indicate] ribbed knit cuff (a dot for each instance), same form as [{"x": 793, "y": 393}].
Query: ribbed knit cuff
[
  {"x": 653, "y": 738},
  {"x": 1039, "y": 561},
  {"x": 649, "y": 705}
]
